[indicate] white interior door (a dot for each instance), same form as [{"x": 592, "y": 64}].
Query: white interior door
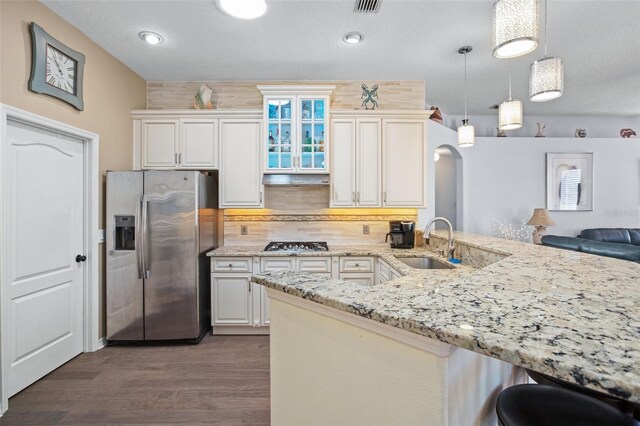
[{"x": 43, "y": 306}]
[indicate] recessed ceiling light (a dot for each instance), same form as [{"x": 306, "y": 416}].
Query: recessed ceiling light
[
  {"x": 151, "y": 37},
  {"x": 244, "y": 9},
  {"x": 353, "y": 37}
]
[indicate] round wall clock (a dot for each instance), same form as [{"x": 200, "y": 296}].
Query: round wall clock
[{"x": 56, "y": 70}]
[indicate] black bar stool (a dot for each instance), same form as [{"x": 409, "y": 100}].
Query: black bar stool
[
  {"x": 544, "y": 405},
  {"x": 623, "y": 405}
]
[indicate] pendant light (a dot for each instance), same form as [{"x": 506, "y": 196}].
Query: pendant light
[
  {"x": 546, "y": 75},
  {"x": 515, "y": 27},
  {"x": 466, "y": 132},
  {"x": 510, "y": 111}
]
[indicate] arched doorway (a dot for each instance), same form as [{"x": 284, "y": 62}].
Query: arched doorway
[{"x": 448, "y": 186}]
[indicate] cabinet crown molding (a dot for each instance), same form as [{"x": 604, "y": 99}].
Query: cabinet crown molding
[
  {"x": 305, "y": 90},
  {"x": 199, "y": 113},
  {"x": 381, "y": 113}
]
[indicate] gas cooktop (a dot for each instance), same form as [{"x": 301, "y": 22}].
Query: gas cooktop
[{"x": 297, "y": 246}]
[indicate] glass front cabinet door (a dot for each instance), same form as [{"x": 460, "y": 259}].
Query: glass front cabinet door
[{"x": 296, "y": 135}]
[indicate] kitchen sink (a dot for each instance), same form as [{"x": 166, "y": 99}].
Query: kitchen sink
[{"x": 424, "y": 263}]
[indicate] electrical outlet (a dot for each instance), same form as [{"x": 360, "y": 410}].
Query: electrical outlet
[
  {"x": 244, "y": 230},
  {"x": 365, "y": 229}
]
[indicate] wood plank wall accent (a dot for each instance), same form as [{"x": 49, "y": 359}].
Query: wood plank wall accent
[{"x": 407, "y": 94}]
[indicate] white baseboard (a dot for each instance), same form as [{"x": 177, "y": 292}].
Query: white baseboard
[
  {"x": 102, "y": 342},
  {"x": 234, "y": 330}
]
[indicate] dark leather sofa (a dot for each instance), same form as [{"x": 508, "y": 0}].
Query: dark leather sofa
[{"x": 620, "y": 243}]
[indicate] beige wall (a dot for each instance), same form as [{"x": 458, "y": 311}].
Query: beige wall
[{"x": 111, "y": 89}]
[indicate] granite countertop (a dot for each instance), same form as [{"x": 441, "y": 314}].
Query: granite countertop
[{"x": 571, "y": 315}]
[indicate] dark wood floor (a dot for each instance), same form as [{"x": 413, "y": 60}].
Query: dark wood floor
[{"x": 223, "y": 380}]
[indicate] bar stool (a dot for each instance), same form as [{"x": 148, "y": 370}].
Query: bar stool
[
  {"x": 543, "y": 405},
  {"x": 623, "y": 405}
]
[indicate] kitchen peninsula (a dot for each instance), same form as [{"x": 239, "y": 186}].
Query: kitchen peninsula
[{"x": 562, "y": 313}]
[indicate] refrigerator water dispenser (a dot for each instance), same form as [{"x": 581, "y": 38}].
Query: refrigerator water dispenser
[{"x": 125, "y": 233}]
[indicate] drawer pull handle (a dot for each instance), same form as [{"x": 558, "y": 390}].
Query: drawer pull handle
[
  {"x": 357, "y": 265},
  {"x": 230, "y": 265}
]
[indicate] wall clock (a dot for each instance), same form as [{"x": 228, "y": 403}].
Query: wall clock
[{"x": 56, "y": 70}]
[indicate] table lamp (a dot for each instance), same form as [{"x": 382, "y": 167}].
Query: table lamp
[{"x": 540, "y": 220}]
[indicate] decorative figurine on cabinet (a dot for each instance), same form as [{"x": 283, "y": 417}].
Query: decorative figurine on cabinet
[
  {"x": 627, "y": 133},
  {"x": 581, "y": 133},
  {"x": 369, "y": 95},
  {"x": 541, "y": 127}
]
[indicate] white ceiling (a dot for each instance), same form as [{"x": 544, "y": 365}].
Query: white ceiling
[{"x": 599, "y": 42}]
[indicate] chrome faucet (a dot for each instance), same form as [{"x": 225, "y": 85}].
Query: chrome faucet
[{"x": 427, "y": 232}]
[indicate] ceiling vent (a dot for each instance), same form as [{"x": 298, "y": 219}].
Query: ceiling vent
[{"x": 367, "y": 6}]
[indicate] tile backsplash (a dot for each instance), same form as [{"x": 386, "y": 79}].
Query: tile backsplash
[{"x": 303, "y": 214}]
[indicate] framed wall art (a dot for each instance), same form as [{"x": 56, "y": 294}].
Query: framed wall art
[{"x": 570, "y": 181}]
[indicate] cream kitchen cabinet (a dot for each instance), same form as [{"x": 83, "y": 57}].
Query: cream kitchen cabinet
[
  {"x": 231, "y": 299},
  {"x": 386, "y": 272},
  {"x": 356, "y": 162},
  {"x": 179, "y": 143},
  {"x": 405, "y": 162},
  {"x": 238, "y": 306},
  {"x": 378, "y": 159},
  {"x": 359, "y": 270},
  {"x": 295, "y": 136},
  {"x": 240, "y": 164}
]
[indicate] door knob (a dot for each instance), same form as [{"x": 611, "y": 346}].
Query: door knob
[{"x": 81, "y": 258}]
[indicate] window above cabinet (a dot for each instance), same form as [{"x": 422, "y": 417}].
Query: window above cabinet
[{"x": 296, "y": 134}]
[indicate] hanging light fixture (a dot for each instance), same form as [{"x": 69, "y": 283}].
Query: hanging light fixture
[
  {"x": 515, "y": 27},
  {"x": 466, "y": 132},
  {"x": 546, "y": 75},
  {"x": 510, "y": 111}
]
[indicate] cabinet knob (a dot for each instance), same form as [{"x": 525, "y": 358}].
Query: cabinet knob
[
  {"x": 230, "y": 265},
  {"x": 357, "y": 264}
]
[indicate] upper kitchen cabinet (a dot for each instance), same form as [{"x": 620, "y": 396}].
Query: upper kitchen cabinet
[
  {"x": 240, "y": 160},
  {"x": 356, "y": 167},
  {"x": 180, "y": 139},
  {"x": 176, "y": 141},
  {"x": 378, "y": 158},
  {"x": 405, "y": 162},
  {"x": 295, "y": 136}
]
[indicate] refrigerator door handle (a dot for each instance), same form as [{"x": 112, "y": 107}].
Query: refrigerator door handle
[
  {"x": 139, "y": 244},
  {"x": 145, "y": 236}
]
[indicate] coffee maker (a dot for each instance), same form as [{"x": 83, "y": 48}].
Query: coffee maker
[{"x": 402, "y": 234}]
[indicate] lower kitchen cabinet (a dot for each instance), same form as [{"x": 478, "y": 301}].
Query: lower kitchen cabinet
[
  {"x": 357, "y": 270},
  {"x": 359, "y": 278},
  {"x": 386, "y": 272},
  {"x": 231, "y": 299},
  {"x": 238, "y": 306}
]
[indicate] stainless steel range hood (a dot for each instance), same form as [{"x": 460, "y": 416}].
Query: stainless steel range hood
[{"x": 295, "y": 180}]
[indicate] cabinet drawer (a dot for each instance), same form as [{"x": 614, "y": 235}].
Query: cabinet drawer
[
  {"x": 356, "y": 264},
  {"x": 314, "y": 264},
  {"x": 359, "y": 278},
  {"x": 272, "y": 264},
  {"x": 231, "y": 264}
]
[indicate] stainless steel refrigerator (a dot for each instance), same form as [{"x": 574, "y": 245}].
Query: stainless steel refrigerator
[{"x": 159, "y": 227}]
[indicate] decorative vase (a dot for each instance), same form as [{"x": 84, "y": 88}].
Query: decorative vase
[
  {"x": 501, "y": 133},
  {"x": 541, "y": 127},
  {"x": 581, "y": 133},
  {"x": 202, "y": 99}
]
